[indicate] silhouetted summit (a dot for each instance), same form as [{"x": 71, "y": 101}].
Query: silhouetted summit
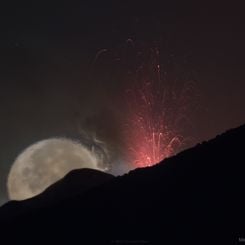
[
  {"x": 195, "y": 197},
  {"x": 74, "y": 183}
]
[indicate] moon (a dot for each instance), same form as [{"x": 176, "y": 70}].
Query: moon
[{"x": 45, "y": 162}]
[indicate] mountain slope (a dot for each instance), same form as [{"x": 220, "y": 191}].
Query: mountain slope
[
  {"x": 191, "y": 198},
  {"x": 75, "y": 182}
]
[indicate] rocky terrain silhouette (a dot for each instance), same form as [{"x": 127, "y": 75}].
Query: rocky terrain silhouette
[
  {"x": 195, "y": 197},
  {"x": 75, "y": 182}
]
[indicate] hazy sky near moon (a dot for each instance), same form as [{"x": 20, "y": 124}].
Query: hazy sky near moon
[{"x": 50, "y": 85}]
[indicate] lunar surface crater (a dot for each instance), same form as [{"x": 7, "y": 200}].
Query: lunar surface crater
[{"x": 44, "y": 163}]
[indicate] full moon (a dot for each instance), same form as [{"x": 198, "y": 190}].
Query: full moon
[{"x": 45, "y": 162}]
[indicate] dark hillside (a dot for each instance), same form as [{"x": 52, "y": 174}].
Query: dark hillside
[{"x": 194, "y": 197}]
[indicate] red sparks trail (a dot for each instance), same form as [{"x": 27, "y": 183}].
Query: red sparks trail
[
  {"x": 151, "y": 138},
  {"x": 154, "y": 114}
]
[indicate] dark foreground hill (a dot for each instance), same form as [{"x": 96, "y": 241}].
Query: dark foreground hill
[
  {"x": 195, "y": 197},
  {"x": 75, "y": 182}
]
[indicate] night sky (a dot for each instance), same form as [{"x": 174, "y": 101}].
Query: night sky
[{"x": 54, "y": 83}]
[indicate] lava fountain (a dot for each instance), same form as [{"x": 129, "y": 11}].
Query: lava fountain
[{"x": 155, "y": 113}]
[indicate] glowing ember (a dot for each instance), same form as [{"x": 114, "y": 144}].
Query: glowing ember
[{"x": 155, "y": 112}]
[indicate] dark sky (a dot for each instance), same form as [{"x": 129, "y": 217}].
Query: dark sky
[{"x": 51, "y": 83}]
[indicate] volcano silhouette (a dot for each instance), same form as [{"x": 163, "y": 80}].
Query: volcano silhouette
[
  {"x": 195, "y": 197},
  {"x": 74, "y": 183}
]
